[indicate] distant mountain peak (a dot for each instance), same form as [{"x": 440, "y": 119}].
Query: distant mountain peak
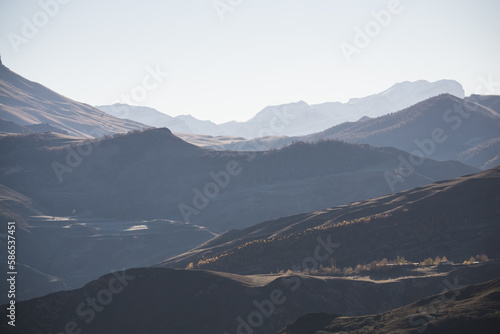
[{"x": 300, "y": 118}]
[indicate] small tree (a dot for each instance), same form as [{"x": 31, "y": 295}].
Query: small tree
[
  {"x": 348, "y": 271},
  {"x": 383, "y": 262},
  {"x": 427, "y": 262},
  {"x": 360, "y": 267},
  {"x": 482, "y": 258}
]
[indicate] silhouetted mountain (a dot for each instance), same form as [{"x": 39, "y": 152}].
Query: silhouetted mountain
[
  {"x": 456, "y": 219},
  {"x": 160, "y": 300},
  {"x": 441, "y": 128},
  {"x": 297, "y": 118},
  {"x": 154, "y": 174},
  {"x": 27, "y": 103},
  {"x": 471, "y": 309}
]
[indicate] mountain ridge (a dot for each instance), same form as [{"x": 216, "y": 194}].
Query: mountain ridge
[
  {"x": 25, "y": 103},
  {"x": 181, "y": 301},
  {"x": 443, "y": 127},
  {"x": 443, "y": 212},
  {"x": 299, "y": 118},
  {"x": 274, "y": 181}
]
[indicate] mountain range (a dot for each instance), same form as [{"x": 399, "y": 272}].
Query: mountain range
[
  {"x": 86, "y": 207},
  {"x": 154, "y": 174},
  {"x": 443, "y": 127},
  {"x": 192, "y": 300},
  {"x": 367, "y": 216},
  {"x": 160, "y": 300},
  {"x": 294, "y": 119},
  {"x": 429, "y": 221}
]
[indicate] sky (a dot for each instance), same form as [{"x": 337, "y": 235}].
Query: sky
[{"x": 225, "y": 60}]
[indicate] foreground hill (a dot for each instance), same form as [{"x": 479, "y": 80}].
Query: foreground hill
[
  {"x": 159, "y": 300},
  {"x": 27, "y": 103},
  {"x": 457, "y": 218},
  {"x": 472, "y": 309},
  {"x": 154, "y": 174}
]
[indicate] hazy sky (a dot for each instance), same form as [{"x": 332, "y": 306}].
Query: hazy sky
[{"x": 263, "y": 52}]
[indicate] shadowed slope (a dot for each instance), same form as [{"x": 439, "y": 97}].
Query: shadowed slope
[{"x": 473, "y": 309}]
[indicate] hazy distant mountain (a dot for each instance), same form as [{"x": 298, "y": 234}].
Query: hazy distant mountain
[
  {"x": 456, "y": 218},
  {"x": 152, "y": 117},
  {"x": 153, "y": 174},
  {"x": 298, "y": 118},
  {"x": 28, "y": 103},
  {"x": 198, "y": 126},
  {"x": 399, "y": 96}
]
